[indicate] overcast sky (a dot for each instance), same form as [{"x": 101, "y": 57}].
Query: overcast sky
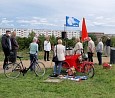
[{"x": 51, "y": 14}]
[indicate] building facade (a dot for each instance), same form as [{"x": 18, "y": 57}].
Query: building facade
[{"x": 22, "y": 32}]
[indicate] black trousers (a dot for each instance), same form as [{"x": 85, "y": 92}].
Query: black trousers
[
  {"x": 90, "y": 56},
  {"x": 6, "y": 53},
  {"x": 99, "y": 56},
  {"x": 15, "y": 55},
  {"x": 46, "y": 55}
]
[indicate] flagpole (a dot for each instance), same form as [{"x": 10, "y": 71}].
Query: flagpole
[
  {"x": 66, "y": 35},
  {"x": 64, "y": 27}
]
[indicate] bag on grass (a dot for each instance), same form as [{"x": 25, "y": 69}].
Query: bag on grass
[{"x": 106, "y": 65}]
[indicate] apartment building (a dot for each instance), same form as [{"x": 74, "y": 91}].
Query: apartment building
[{"x": 22, "y": 32}]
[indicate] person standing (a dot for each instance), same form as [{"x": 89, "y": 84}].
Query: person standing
[
  {"x": 59, "y": 49},
  {"x": 47, "y": 48},
  {"x": 6, "y": 46},
  {"x": 33, "y": 52},
  {"x": 91, "y": 49},
  {"x": 14, "y": 44},
  {"x": 99, "y": 50},
  {"x": 78, "y": 49},
  {"x": 107, "y": 47}
]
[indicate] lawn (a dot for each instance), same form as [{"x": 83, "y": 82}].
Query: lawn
[
  {"x": 25, "y": 54},
  {"x": 102, "y": 85}
]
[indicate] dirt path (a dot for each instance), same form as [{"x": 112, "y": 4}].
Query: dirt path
[{"x": 50, "y": 64}]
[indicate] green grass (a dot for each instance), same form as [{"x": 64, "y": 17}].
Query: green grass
[
  {"x": 102, "y": 85},
  {"x": 26, "y": 56}
]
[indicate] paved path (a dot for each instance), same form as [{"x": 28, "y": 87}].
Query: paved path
[{"x": 50, "y": 64}]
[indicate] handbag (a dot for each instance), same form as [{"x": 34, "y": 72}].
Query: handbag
[{"x": 55, "y": 58}]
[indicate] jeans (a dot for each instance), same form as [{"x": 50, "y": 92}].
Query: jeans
[
  {"x": 99, "y": 56},
  {"x": 32, "y": 67},
  {"x": 57, "y": 68}
]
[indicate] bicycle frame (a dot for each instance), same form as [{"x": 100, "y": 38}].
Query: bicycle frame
[
  {"x": 24, "y": 69},
  {"x": 13, "y": 70}
]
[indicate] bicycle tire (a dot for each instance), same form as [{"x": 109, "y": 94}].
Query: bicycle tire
[
  {"x": 89, "y": 70},
  {"x": 12, "y": 70},
  {"x": 39, "y": 69}
]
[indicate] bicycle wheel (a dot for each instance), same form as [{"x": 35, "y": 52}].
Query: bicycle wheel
[
  {"x": 39, "y": 69},
  {"x": 89, "y": 70},
  {"x": 12, "y": 70}
]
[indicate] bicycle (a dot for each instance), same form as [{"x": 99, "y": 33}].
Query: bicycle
[{"x": 13, "y": 70}]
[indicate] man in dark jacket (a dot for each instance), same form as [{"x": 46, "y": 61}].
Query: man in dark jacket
[{"x": 6, "y": 46}]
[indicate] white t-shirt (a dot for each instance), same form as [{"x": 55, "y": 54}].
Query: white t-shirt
[{"x": 47, "y": 45}]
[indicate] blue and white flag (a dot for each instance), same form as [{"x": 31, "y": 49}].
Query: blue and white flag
[{"x": 72, "y": 22}]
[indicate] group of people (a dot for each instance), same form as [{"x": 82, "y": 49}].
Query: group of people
[
  {"x": 78, "y": 49},
  {"x": 9, "y": 44}
]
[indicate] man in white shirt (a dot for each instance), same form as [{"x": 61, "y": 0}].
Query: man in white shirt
[
  {"x": 47, "y": 48},
  {"x": 99, "y": 50},
  {"x": 91, "y": 49}
]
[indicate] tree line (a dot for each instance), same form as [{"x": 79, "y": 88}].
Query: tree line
[{"x": 25, "y": 41}]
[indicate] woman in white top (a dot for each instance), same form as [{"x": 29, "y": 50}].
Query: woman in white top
[
  {"x": 47, "y": 48},
  {"x": 61, "y": 57}
]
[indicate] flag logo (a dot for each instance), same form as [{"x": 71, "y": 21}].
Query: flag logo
[{"x": 72, "y": 22}]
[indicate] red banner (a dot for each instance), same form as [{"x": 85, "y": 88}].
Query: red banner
[{"x": 84, "y": 35}]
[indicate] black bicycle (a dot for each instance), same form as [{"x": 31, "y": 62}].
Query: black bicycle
[{"x": 13, "y": 70}]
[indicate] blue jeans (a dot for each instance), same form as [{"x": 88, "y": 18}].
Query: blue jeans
[
  {"x": 57, "y": 68},
  {"x": 32, "y": 67}
]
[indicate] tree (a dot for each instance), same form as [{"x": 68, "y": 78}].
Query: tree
[
  {"x": 113, "y": 41},
  {"x": 104, "y": 38},
  {"x": 41, "y": 42},
  {"x": 94, "y": 38},
  {"x": 31, "y": 34}
]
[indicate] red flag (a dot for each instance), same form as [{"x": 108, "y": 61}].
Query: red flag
[{"x": 84, "y": 35}]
